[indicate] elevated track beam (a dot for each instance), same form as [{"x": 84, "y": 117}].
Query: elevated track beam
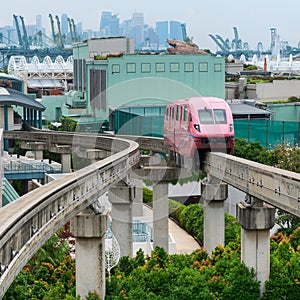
[
  {"x": 28, "y": 222},
  {"x": 277, "y": 187}
]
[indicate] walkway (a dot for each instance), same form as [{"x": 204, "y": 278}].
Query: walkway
[{"x": 185, "y": 243}]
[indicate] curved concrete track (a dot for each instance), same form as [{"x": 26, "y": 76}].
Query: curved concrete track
[{"x": 28, "y": 222}]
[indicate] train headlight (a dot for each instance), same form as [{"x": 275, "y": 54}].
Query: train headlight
[
  {"x": 197, "y": 127},
  {"x": 230, "y": 127}
]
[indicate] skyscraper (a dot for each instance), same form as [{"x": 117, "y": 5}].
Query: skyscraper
[
  {"x": 175, "y": 31},
  {"x": 109, "y": 24},
  {"x": 137, "y": 25},
  {"x": 126, "y": 28},
  {"x": 162, "y": 30},
  {"x": 64, "y": 24},
  {"x": 38, "y": 22}
]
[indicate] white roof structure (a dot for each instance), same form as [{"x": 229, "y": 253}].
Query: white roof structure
[
  {"x": 41, "y": 74},
  {"x": 278, "y": 65}
]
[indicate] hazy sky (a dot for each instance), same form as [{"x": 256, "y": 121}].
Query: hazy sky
[{"x": 253, "y": 18}]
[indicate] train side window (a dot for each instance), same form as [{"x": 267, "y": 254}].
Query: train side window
[
  {"x": 173, "y": 112},
  {"x": 190, "y": 117},
  {"x": 220, "y": 116},
  {"x": 178, "y": 113},
  {"x": 184, "y": 114}
]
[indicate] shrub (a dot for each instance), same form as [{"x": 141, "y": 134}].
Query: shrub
[
  {"x": 175, "y": 209},
  {"x": 147, "y": 195}
]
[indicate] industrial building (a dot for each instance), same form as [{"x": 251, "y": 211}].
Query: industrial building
[{"x": 107, "y": 79}]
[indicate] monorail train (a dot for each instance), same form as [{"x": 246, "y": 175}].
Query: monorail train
[{"x": 198, "y": 124}]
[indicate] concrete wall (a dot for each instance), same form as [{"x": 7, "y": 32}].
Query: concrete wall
[
  {"x": 103, "y": 46},
  {"x": 111, "y": 46},
  {"x": 278, "y": 89},
  {"x": 234, "y": 68},
  {"x": 53, "y": 104}
]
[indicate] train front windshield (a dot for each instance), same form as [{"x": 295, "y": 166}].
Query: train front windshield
[{"x": 209, "y": 116}]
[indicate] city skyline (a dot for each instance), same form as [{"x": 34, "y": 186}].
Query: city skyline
[{"x": 253, "y": 19}]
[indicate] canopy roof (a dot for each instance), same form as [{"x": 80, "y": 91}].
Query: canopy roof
[{"x": 14, "y": 97}]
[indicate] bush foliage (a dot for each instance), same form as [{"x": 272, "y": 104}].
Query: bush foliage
[{"x": 194, "y": 276}]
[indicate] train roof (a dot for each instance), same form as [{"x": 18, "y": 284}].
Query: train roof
[{"x": 195, "y": 100}]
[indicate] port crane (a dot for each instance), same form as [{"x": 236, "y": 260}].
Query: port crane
[
  {"x": 73, "y": 33},
  {"x": 56, "y": 37},
  {"x": 18, "y": 31}
]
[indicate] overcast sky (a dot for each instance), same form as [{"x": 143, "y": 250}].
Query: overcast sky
[{"x": 252, "y": 18}]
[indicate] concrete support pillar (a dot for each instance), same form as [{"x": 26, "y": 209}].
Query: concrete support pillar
[
  {"x": 38, "y": 155},
  {"x": 89, "y": 230},
  {"x": 160, "y": 176},
  {"x": 256, "y": 222},
  {"x": 36, "y": 147},
  {"x": 137, "y": 205},
  {"x": 214, "y": 195},
  {"x": 66, "y": 162},
  {"x": 121, "y": 197},
  {"x": 65, "y": 152},
  {"x": 161, "y": 215}
]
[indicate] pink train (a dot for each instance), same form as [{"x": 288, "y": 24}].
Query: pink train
[{"x": 198, "y": 124}]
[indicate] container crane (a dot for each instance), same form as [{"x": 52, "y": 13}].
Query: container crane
[
  {"x": 25, "y": 36},
  {"x": 18, "y": 31},
  {"x": 52, "y": 29},
  {"x": 74, "y": 31},
  {"x": 219, "y": 44},
  {"x": 60, "y": 38},
  {"x": 236, "y": 43},
  {"x": 224, "y": 43},
  {"x": 71, "y": 30},
  {"x": 56, "y": 38}
]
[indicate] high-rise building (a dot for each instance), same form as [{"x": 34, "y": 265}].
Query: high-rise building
[
  {"x": 38, "y": 22},
  {"x": 169, "y": 30},
  {"x": 151, "y": 37},
  {"x": 175, "y": 31},
  {"x": 64, "y": 24},
  {"x": 137, "y": 25},
  {"x": 126, "y": 28},
  {"x": 109, "y": 24},
  {"x": 162, "y": 30}
]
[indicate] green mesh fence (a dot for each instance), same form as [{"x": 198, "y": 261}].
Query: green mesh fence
[
  {"x": 267, "y": 132},
  {"x": 147, "y": 121},
  {"x": 150, "y": 121}
]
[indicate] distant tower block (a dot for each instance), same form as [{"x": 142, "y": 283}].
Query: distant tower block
[{"x": 274, "y": 42}]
